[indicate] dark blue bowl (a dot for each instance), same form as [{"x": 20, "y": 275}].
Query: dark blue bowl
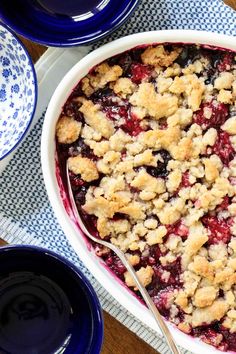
[
  {"x": 46, "y": 305},
  {"x": 65, "y": 23}
]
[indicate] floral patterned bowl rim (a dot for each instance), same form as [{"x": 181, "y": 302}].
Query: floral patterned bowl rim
[
  {"x": 55, "y": 188},
  {"x": 18, "y": 91}
]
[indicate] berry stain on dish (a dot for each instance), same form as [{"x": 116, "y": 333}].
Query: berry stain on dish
[{"x": 150, "y": 139}]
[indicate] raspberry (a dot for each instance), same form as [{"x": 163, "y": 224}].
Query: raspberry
[
  {"x": 219, "y": 230},
  {"x": 230, "y": 339},
  {"x": 185, "y": 180},
  {"x": 115, "y": 264},
  {"x": 225, "y": 62},
  {"x": 139, "y": 72},
  {"x": 210, "y": 336},
  {"x": 223, "y": 148},
  {"x": 178, "y": 229},
  {"x": 219, "y": 114},
  {"x": 132, "y": 125},
  {"x": 173, "y": 268},
  {"x": 224, "y": 205},
  {"x": 116, "y": 112},
  {"x": 163, "y": 300}
]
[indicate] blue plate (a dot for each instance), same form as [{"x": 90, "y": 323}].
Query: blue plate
[
  {"x": 46, "y": 304},
  {"x": 65, "y": 23}
]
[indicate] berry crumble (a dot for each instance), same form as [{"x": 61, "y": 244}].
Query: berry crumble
[{"x": 150, "y": 139}]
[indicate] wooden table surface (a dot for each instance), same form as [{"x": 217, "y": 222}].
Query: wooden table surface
[
  {"x": 231, "y": 3},
  {"x": 117, "y": 338}
]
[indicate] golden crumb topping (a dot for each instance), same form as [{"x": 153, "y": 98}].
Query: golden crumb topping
[
  {"x": 84, "y": 167},
  {"x": 150, "y": 139},
  {"x": 67, "y": 130}
]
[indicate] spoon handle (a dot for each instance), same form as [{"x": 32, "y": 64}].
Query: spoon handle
[{"x": 158, "y": 318}]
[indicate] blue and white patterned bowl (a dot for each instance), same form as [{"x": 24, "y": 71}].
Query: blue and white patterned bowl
[{"x": 18, "y": 91}]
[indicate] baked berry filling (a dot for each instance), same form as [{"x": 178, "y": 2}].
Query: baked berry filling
[
  {"x": 223, "y": 147},
  {"x": 140, "y": 72},
  {"x": 178, "y": 229},
  {"x": 163, "y": 300},
  {"x": 225, "y": 62},
  {"x": 219, "y": 230},
  {"x": 150, "y": 137},
  {"x": 211, "y": 114}
]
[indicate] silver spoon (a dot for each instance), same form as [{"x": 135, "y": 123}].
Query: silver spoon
[{"x": 158, "y": 318}]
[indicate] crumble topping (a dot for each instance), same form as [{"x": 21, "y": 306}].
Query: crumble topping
[
  {"x": 68, "y": 130},
  {"x": 96, "y": 119},
  {"x": 207, "y": 315},
  {"x": 156, "y": 105},
  {"x": 83, "y": 166},
  {"x": 102, "y": 75},
  {"x": 205, "y": 296},
  {"x": 124, "y": 87},
  {"x": 159, "y": 56},
  {"x": 150, "y": 138},
  {"x": 144, "y": 274}
]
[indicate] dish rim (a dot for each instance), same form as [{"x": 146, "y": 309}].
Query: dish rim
[{"x": 67, "y": 223}]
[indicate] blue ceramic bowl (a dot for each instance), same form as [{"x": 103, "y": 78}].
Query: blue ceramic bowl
[
  {"x": 46, "y": 305},
  {"x": 65, "y": 23},
  {"x": 18, "y": 91}
]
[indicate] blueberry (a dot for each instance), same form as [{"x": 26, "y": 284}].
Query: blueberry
[
  {"x": 101, "y": 93},
  {"x": 161, "y": 169},
  {"x": 188, "y": 55},
  {"x": 80, "y": 196},
  {"x": 79, "y": 147},
  {"x": 71, "y": 109},
  {"x": 136, "y": 54},
  {"x": 114, "y": 60},
  {"x": 126, "y": 62},
  {"x": 211, "y": 76},
  {"x": 215, "y": 58}
]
